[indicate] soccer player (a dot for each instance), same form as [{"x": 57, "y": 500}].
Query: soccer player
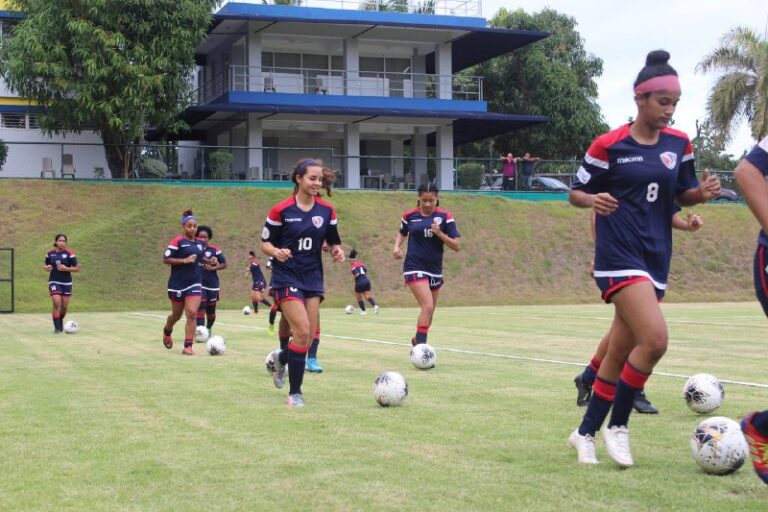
[
  {"x": 293, "y": 234},
  {"x": 362, "y": 283},
  {"x": 60, "y": 262},
  {"x": 428, "y": 228},
  {"x": 216, "y": 261},
  {"x": 259, "y": 282},
  {"x": 632, "y": 176},
  {"x": 185, "y": 285},
  {"x": 584, "y": 380},
  {"x": 750, "y": 175}
]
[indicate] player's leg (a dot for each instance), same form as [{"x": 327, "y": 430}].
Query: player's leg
[
  {"x": 64, "y": 307},
  {"x": 312, "y": 365},
  {"x": 360, "y": 302},
  {"x": 210, "y": 310},
  {"x": 200, "y": 313},
  {"x": 58, "y": 325},
  {"x": 191, "y": 307},
  {"x": 302, "y": 317},
  {"x": 755, "y": 428},
  {"x": 272, "y": 315},
  {"x": 422, "y": 293},
  {"x": 177, "y": 309},
  {"x": 371, "y": 301},
  {"x": 283, "y": 332},
  {"x": 586, "y": 379}
]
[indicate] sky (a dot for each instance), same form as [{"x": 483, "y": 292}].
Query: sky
[{"x": 622, "y": 32}]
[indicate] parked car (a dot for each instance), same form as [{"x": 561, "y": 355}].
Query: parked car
[
  {"x": 547, "y": 184},
  {"x": 727, "y": 195}
]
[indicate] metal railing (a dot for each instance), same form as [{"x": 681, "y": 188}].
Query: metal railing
[
  {"x": 341, "y": 83},
  {"x": 470, "y": 8}
]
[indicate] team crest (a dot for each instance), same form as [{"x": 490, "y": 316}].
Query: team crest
[
  {"x": 317, "y": 221},
  {"x": 437, "y": 220},
  {"x": 207, "y": 254},
  {"x": 200, "y": 247},
  {"x": 669, "y": 159}
]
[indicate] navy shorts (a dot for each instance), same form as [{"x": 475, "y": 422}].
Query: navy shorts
[
  {"x": 259, "y": 286},
  {"x": 761, "y": 276},
  {"x": 181, "y": 295},
  {"x": 434, "y": 282},
  {"x": 210, "y": 296},
  {"x": 60, "y": 289},
  {"x": 609, "y": 286},
  {"x": 362, "y": 284},
  {"x": 284, "y": 294}
]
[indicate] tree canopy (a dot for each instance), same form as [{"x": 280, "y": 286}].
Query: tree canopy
[
  {"x": 115, "y": 66},
  {"x": 553, "y": 77}
]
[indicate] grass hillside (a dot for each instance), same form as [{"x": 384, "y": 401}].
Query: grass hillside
[{"x": 513, "y": 252}]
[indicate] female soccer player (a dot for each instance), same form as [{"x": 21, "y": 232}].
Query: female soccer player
[
  {"x": 185, "y": 285},
  {"x": 60, "y": 262},
  {"x": 294, "y": 234},
  {"x": 750, "y": 175},
  {"x": 428, "y": 229},
  {"x": 632, "y": 177},
  {"x": 259, "y": 283},
  {"x": 216, "y": 261},
  {"x": 362, "y": 283}
]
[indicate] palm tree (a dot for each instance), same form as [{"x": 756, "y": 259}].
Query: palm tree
[{"x": 741, "y": 91}]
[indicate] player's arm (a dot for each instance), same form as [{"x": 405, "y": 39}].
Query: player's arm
[
  {"x": 691, "y": 223},
  {"x": 270, "y": 235},
  {"x": 47, "y": 264},
  {"x": 708, "y": 187},
  {"x": 180, "y": 261},
  {"x": 397, "y": 251},
  {"x": 453, "y": 243},
  {"x": 602, "y": 203},
  {"x": 71, "y": 268},
  {"x": 753, "y": 186}
]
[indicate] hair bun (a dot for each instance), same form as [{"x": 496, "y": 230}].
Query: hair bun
[{"x": 657, "y": 57}]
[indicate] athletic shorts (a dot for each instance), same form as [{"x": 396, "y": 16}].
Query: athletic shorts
[
  {"x": 434, "y": 282},
  {"x": 761, "y": 276},
  {"x": 60, "y": 289},
  {"x": 259, "y": 286},
  {"x": 362, "y": 284},
  {"x": 609, "y": 286},
  {"x": 210, "y": 296},
  {"x": 181, "y": 295},
  {"x": 284, "y": 294}
]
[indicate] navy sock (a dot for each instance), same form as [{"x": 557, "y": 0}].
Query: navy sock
[
  {"x": 58, "y": 324},
  {"x": 598, "y": 407},
  {"x": 372, "y": 302},
  {"x": 284, "y": 341},
  {"x": 361, "y": 303},
  {"x": 588, "y": 375},
  {"x": 283, "y": 356},
  {"x": 312, "y": 353},
  {"x": 187, "y": 343},
  {"x": 200, "y": 319},
  {"x": 421, "y": 334},
  {"x": 255, "y": 307},
  {"x": 622, "y": 405},
  {"x": 760, "y": 422},
  {"x": 210, "y": 322},
  {"x": 266, "y": 303},
  {"x": 272, "y": 316},
  {"x": 296, "y": 363}
]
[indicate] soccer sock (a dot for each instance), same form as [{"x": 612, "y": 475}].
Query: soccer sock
[
  {"x": 312, "y": 353},
  {"x": 284, "y": 339},
  {"x": 272, "y": 316},
  {"x": 760, "y": 422},
  {"x": 421, "y": 334},
  {"x": 590, "y": 372},
  {"x": 56, "y": 322},
  {"x": 603, "y": 394},
  {"x": 297, "y": 359},
  {"x": 200, "y": 317},
  {"x": 266, "y": 303},
  {"x": 372, "y": 302},
  {"x": 210, "y": 311},
  {"x": 630, "y": 381},
  {"x": 283, "y": 355},
  {"x": 187, "y": 342},
  {"x": 361, "y": 303},
  {"x": 255, "y": 307}
]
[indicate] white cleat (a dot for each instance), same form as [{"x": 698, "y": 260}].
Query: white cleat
[
  {"x": 584, "y": 446},
  {"x": 295, "y": 400},
  {"x": 376, "y": 309},
  {"x": 363, "y": 312},
  {"x": 277, "y": 370},
  {"x": 617, "y": 443}
]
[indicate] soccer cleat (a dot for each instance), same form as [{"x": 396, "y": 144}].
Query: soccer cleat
[
  {"x": 187, "y": 351},
  {"x": 295, "y": 400},
  {"x": 363, "y": 312},
  {"x": 616, "y": 440},
  {"x": 758, "y": 447},
  {"x": 57, "y": 331},
  {"x": 583, "y": 391},
  {"x": 271, "y": 329},
  {"x": 642, "y": 404},
  {"x": 167, "y": 341},
  {"x": 275, "y": 368},
  {"x": 312, "y": 366},
  {"x": 584, "y": 446},
  {"x": 376, "y": 309}
]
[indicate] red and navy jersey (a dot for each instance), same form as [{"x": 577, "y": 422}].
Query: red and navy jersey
[
  {"x": 66, "y": 258},
  {"x": 425, "y": 251},
  {"x": 290, "y": 227},
  {"x": 359, "y": 270},
  {"x": 636, "y": 239},
  {"x": 759, "y": 158},
  {"x": 256, "y": 274},
  {"x": 189, "y": 275},
  {"x": 210, "y": 277}
]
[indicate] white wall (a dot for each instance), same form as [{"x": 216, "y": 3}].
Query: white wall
[{"x": 27, "y": 147}]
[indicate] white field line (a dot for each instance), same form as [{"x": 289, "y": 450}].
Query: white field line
[
  {"x": 475, "y": 352},
  {"x": 669, "y": 320}
]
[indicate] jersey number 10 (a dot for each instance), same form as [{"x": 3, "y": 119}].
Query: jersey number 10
[{"x": 305, "y": 244}]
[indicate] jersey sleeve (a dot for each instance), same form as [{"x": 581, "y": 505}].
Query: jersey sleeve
[
  {"x": 589, "y": 176},
  {"x": 759, "y": 156},
  {"x": 72, "y": 260},
  {"x": 173, "y": 249},
  {"x": 450, "y": 226},
  {"x": 404, "y": 225},
  {"x": 273, "y": 227},
  {"x": 220, "y": 256},
  {"x": 686, "y": 176},
  {"x": 47, "y": 258},
  {"x": 332, "y": 233}
]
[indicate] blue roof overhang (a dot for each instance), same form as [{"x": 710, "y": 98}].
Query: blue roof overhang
[{"x": 467, "y": 126}]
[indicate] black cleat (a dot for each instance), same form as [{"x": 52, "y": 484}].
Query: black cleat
[
  {"x": 642, "y": 404},
  {"x": 583, "y": 390}
]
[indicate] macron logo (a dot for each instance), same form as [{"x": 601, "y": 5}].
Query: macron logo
[
  {"x": 293, "y": 220},
  {"x": 629, "y": 159}
]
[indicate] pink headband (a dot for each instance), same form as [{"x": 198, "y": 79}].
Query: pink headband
[{"x": 658, "y": 83}]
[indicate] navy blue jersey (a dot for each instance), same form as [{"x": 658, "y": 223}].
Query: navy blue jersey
[
  {"x": 425, "y": 251},
  {"x": 256, "y": 274},
  {"x": 759, "y": 158},
  {"x": 359, "y": 270},
  {"x": 188, "y": 275},
  {"x": 211, "y": 277},
  {"x": 66, "y": 258},
  {"x": 636, "y": 239},
  {"x": 290, "y": 227}
]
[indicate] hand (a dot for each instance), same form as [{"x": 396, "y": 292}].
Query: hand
[
  {"x": 397, "y": 252},
  {"x": 47, "y": 268},
  {"x": 436, "y": 228},
  {"x": 338, "y": 254},
  {"x": 282, "y": 255},
  {"x": 213, "y": 261},
  {"x": 325, "y": 247},
  {"x": 190, "y": 259},
  {"x": 604, "y": 204},
  {"x": 694, "y": 221},
  {"x": 709, "y": 186},
  {"x": 60, "y": 266}
]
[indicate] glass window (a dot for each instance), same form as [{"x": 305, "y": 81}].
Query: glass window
[
  {"x": 398, "y": 65},
  {"x": 6, "y": 27},
  {"x": 287, "y": 60},
  {"x": 310, "y": 61},
  {"x": 337, "y": 62},
  {"x": 267, "y": 59},
  {"x": 371, "y": 63},
  {"x": 13, "y": 120}
]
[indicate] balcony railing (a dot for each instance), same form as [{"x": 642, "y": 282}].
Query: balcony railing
[
  {"x": 341, "y": 83},
  {"x": 440, "y": 7}
]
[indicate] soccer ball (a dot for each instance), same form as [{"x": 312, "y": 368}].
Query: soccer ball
[
  {"x": 216, "y": 345},
  {"x": 718, "y": 446},
  {"x": 703, "y": 393},
  {"x": 423, "y": 356},
  {"x": 246, "y": 310},
  {"x": 201, "y": 334},
  {"x": 390, "y": 389},
  {"x": 71, "y": 327},
  {"x": 349, "y": 309}
]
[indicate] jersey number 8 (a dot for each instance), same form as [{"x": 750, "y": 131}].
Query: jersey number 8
[{"x": 653, "y": 192}]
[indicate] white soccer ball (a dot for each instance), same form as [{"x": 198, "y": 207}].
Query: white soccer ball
[
  {"x": 718, "y": 446},
  {"x": 349, "y": 309},
  {"x": 703, "y": 393},
  {"x": 71, "y": 327},
  {"x": 201, "y": 334},
  {"x": 423, "y": 356},
  {"x": 390, "y": 389},
  {"x": 216, "y": 345},
  {"x": 246, "y": 310}
]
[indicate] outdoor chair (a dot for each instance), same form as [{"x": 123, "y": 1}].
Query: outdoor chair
[
  {"x": 47, "y": 168},
  {"x": 67, "y": 166}
]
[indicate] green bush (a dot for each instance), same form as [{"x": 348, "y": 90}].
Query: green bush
[
  {"x": 3, "y": 153},
  {"x": 220, "y": 164},
  {"x": 470, "y": 176},
  {"x": 153, "y": 168}
]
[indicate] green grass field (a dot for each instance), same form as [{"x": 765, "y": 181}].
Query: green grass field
[{"x": 107, "y": 419}]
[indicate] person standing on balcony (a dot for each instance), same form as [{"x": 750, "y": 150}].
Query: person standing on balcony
[
  {"x": 528, "y": 163},
  {"x": 508, "y": 172}
]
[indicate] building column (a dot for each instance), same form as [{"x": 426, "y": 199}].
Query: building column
[
  {"x": 352, "y": 155},
  {"x": 396, "y": 150},
  {"x": 444, "y": 69},
  {"x": 352, "y": 67},
  {"x": 254, "y": 80},
  {"x": 255, "y": 142},
  {"x": 419, "y": 147},
  {"x": 419, "y": 67},
  {"x": 444, "y": 154}
]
